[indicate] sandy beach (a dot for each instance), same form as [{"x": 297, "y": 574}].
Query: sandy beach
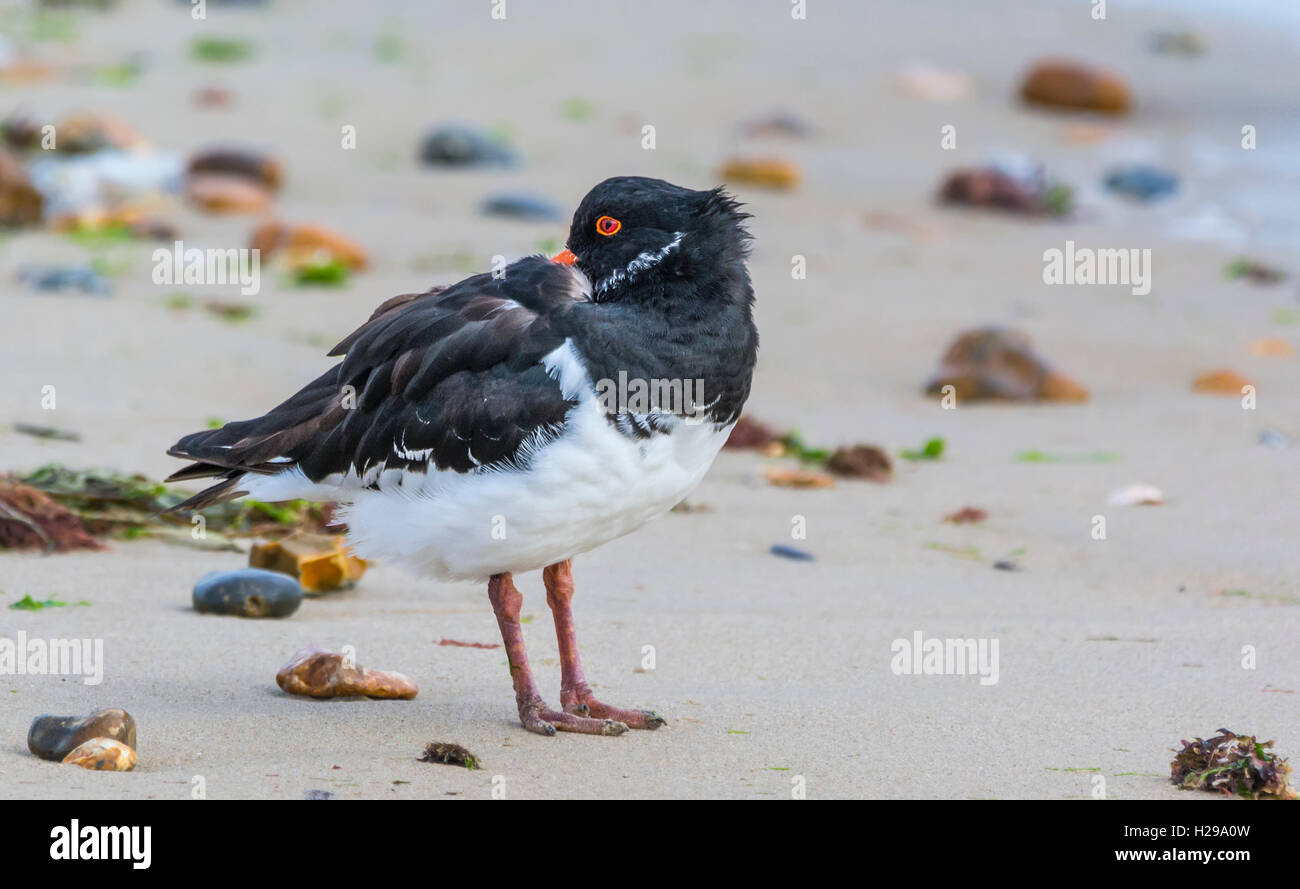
[{"x": 770, "y": 672}]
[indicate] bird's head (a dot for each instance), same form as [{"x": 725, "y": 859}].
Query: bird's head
[{"x": 631, "y": 231}]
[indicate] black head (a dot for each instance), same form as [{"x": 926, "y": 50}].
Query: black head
[{"x": 630, "y": 232}]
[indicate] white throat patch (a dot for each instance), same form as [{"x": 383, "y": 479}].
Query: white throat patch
[{"x": 647, "y": 260}]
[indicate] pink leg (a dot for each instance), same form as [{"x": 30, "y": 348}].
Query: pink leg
[
  {"x": 575, "y": 694},
  {"x": 533, "y": 712}
]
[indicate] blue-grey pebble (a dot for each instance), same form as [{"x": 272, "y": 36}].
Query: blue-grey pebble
[
  {"x": 519, "y": 205},
  {"x": 456, "y": 145},
  {"x": 1142, "y": 182},
  {"x": 248, "y": 592},
  {"x": 790, "y": 552}
]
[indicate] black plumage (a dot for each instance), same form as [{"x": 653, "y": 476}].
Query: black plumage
[{"x": 452, "y": 378}]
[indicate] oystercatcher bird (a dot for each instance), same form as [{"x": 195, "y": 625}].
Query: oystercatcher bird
[{"x": 475, "y": 431}]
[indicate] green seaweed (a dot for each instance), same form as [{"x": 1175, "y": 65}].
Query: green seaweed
[
  {"x": 221, "y": 50},
  {"x": 932, "y": 450}
]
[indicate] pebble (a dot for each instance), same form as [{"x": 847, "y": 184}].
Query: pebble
[
  {"x": 20, "y": 202},
  {"x": 784, "y": 477},
  {"x": 52, "y": 279},
  {"x": 1271, "y": 347},
  {"x": 1002, "y": 189},
  {"x": 1060, "y": 84},
  {"x": 861, "y": 461},
  {"x": 967, "y": 515},
  {"x": 1137, "y": 494},
  {"x": 103, "y": 755},
  {"x": 790, "y": 552},
  {"x": 456, "y": 145},
  {"x": 523, "y": 206},
  {"x": 248, "y": 592},
  {"x": 298, "y": 240},
  {"x": 1180, "y": 43},
  {"x": 767, "y": 172},
  {"x": 777, "y": 123},
  {"x": 921, "y": 81},
  {"x": 1274, "y": 439},
  {"x": 251, "y": 165},
  {"x": 226, "y": 193},
  {"x": 54, "y": 737},
  {"x": 320, "y": 562},
  {"x": 1221, "y": 382},
  {"x": 749, "y": 433},
  {"x": 90, "y": 133},
  {"x": 317, "y": 673},
  {"x": 1000, "y": 364},
  {"x": 1144, "y": 183},
  {"x": 213, "y": 97}
]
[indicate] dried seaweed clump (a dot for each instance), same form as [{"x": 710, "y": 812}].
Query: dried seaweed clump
[
  {"x": 31, "y": 519},
  {"x": 1232, "y": 764},
  {"x": 450, "y": 754},
  {"x": 109, "y": 503}
]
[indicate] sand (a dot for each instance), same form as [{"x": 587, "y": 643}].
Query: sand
[{"x": 770, "y": 672}]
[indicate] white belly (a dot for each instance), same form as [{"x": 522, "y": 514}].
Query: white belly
[{"x": 587, "y": 487}]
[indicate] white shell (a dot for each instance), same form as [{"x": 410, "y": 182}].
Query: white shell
[{"x": 1136, "y": 494}]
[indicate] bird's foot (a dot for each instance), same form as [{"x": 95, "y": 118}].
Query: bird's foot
[
  {"x": 581, "y": 702},
  {"x": 539, "y": 718}
]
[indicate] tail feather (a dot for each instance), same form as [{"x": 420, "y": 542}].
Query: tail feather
[
  {"x": 265, "y": 445},
  {"x": 211, "y": 496},
  {"x": 195, "y": 470}
]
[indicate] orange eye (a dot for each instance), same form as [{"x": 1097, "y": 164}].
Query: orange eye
[{"x": 608, "y": 225}]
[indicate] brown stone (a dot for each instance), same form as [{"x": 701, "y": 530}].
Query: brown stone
[
  {"x": 784, "y": 477},
  {"x": 102, "y": 755},
  {"x": 1271, "y": 346},
  {"x": 1071, "y": 85},
  {"x": 967, "y": 515},
  {"x": 299, "y": 240},
  {"x": 226, "y": 193},
  {"x": 259, "y": 168},
  {"x": 993, "y": 188},
  {"x": 998, "y": 363},
  {"x": 861, "y": 461},
  {"x": 213, "y": 97},
  {"x": 20, "y": 202},
  {"x": 317, "y": 673},
  {"x": 749, "y": 433},
  {"x": 54, "y": 737},
  {"x": 86, "y": 133},
  {"x": 1221, "y": 382},
  {"x": 768, "y": 172},
  {"x": 321, "y": 562}
]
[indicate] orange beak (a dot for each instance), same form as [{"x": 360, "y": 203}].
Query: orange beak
[{"x": 564, "y": 257}]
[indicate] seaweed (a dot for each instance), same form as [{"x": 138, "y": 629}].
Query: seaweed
[
  {"x": 1232, "y": 764},
  {"x": 221, "y": 50},
  {"x": 931, "y": 450},
  {"x": 450, "y": 754},
  {"x": 109, "y": 503}
]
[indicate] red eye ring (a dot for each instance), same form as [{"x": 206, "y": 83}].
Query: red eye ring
[{"x": 608, "y": 226}]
